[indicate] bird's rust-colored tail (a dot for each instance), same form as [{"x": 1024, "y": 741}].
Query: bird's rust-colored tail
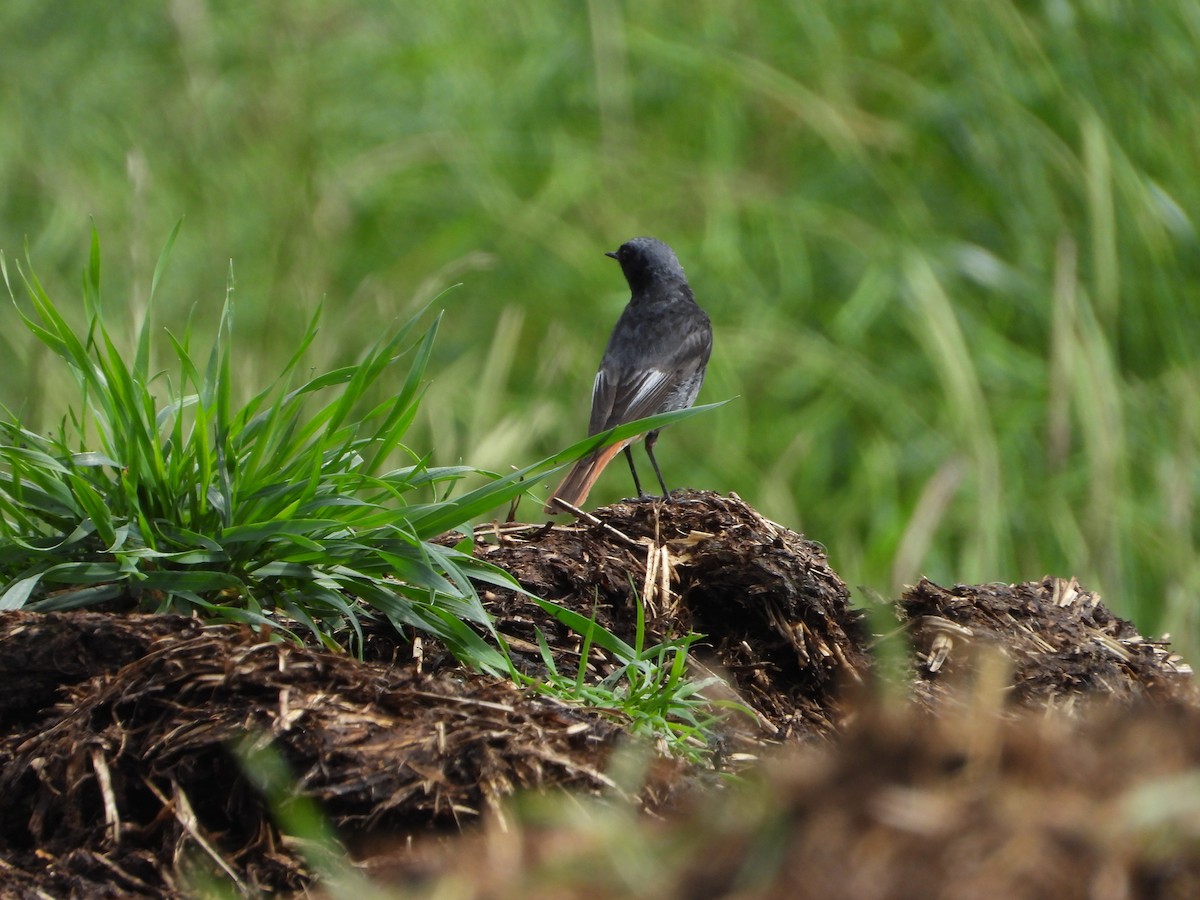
[{"x": 578, "y": 483}]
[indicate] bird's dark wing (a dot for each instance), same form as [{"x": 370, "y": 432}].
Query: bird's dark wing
[{"x": 624, "y": 390}]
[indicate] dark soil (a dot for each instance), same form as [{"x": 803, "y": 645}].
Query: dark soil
[
  {"x": 1059, "y": 640},
  {"x": 776, "y": 618},
  {"x": 136, "y": 764},
  {"x": 121, "y": 771}
]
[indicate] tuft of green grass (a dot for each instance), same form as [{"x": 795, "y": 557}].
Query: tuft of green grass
[
  {"x": 288, "y": 511},
  {"x": 648, "y": 690}
]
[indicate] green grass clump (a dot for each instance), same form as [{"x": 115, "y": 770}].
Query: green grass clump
[
  {"x": 286, "y": 511},
  {"x": 648, "y": 689}
]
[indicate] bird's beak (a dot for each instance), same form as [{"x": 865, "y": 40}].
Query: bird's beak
[{"x": 613, "y": 254}]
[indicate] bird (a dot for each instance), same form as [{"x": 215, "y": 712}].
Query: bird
[{"x": 654, "y": 362}]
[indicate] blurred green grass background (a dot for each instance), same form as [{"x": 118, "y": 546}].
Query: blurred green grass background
[{"x": 949, "y": 249}]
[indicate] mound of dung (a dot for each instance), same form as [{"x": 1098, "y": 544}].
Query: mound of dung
[
  {"x": 776, "y": 618},
  {"x": 135, "y": 768},
  {"x": 1060, "y": 641}
]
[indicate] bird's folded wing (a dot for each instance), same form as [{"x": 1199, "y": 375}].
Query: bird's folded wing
[{"x": 622, "y": 394}]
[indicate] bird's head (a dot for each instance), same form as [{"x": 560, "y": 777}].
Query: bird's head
[{"x": 646, "y": 262}]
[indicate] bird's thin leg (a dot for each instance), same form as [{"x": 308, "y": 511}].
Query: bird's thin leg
[
  {"x": 633, "y": 471},
  {"x": 650, "y": 440}
]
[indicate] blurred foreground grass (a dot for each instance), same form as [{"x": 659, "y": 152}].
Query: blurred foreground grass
[{"x": 949, "y": 250}]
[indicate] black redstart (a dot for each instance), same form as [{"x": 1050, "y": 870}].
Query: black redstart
[{"x": 654, "y": 361}]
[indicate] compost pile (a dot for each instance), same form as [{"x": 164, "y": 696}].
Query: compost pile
[
  {"x": 776, "y": 618},
  {"x": 133, "y": 748}
]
